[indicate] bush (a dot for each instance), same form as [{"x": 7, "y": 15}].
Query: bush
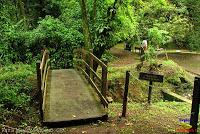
[
  {"x": 107, "y": 57},
  {"x": 14, "y": 86},
  {"x": 25, "y": 46},
  {"x": 194, "y": 40},
  {"x": 59, "y": 40}
]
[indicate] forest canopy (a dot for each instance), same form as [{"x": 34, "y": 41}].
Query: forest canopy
[{"x": 28, "y": 26}]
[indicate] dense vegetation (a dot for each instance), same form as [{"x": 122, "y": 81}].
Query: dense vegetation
[{"x": 29, "y": 26}]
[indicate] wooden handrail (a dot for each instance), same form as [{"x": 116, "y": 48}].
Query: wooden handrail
[
  {"x": 87, "y": 69},
  {"x": 103, "y": 65},
  {"x": 45, "y": 90},
  {"x": 42, "y": 76},
  {"x": 43, "y": 59},
  {"x": 103, "y": 100},
  {"x": 92, "y": 71}
]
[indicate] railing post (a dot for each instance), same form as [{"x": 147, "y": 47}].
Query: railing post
[
  {"x": 39, "y": 89},
  {"x": 83, "y": 58},
  {"x": 47, "y": 55},
  {"x": 125, "y": 94},
  {"x": 104, "y": 81},
  {"x": 91, "y": 65},
  {"x": 195, "y": 106}
]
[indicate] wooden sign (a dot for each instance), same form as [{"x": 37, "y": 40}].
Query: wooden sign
[{"x": 151, "y": 77}]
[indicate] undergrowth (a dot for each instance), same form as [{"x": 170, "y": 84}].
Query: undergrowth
[{"x": 16, "y": 88}]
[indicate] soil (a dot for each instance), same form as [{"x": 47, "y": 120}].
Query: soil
[{"x": 124, "y": 57}]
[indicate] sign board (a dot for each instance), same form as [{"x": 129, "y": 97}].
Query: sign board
[{"x": 151, "y": 77}]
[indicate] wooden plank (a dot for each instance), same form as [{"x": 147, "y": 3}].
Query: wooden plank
[
  {"x": 175, "y": 97},
  {"x": 70, "y": 98}
]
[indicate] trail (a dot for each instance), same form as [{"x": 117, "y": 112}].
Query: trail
[{"x": 124, "y": 57}]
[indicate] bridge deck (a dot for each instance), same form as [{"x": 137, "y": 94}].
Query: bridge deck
[{"x": 69, "y": 97}]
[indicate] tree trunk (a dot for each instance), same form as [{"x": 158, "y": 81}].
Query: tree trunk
[
  {"x": 22, "y": 12},
  {"x": 86, "y": 32},
  {"x": 98, "y": 53},
  {"x": 41, "y": 8},
  {"x": 94, "y": 11}
]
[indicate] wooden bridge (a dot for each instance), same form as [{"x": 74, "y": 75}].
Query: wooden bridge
[{"x": 68, "y": 95}]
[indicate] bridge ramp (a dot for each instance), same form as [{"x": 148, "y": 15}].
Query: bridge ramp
[{"x": 69, "y": 97}]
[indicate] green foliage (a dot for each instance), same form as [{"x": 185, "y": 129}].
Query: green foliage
[
  {"x": 13, "y": 47},
  {"x": 161, "y": 22},
  {"x": 14, "y": 86},
  {"x": 150, "y": 54},
  {"x": 174, "y": 73},
  {"x": 59, "y": 40},
  {"x": 17, "y": 44},
  {"x": 114, "y": 23},
  {"x": 24, "y": 46},
  {"x": 158, "y": 37},
  {"x": 194, "y": 10},
  {"x": 107, "y": 56},
  {"x": 194, "y": 40},
  {"x": 125, "y": 24}
]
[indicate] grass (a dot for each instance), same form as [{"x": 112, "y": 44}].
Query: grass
[
  {"x": 174, "y": 80},
  {"x": 160, "y": 117}
]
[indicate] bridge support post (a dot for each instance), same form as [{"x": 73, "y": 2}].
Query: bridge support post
[
  {"x": 195, "y": 106},
  {"x": 91, "y": 65},
  {"x": 104, "y": 81},
  {"x": 125, "y": 94},
  {"x": 39, "y": 89}
]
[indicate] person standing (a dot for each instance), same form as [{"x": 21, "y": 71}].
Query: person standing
[
  {"x": 143, "y": 49},
  {"x": 144, "y": 45}
]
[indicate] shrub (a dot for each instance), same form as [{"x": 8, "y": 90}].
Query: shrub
[
  {"x": 14, "y": 86},
  {"x": 194, "y": 40},
  {"x": 52, "y": 34}
]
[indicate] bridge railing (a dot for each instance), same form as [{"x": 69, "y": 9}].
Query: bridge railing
[
  {"x": 85, "y": 62},
  {"x": 42, "y": 68}
]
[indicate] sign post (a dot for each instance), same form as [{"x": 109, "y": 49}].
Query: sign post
[
  {"x": 195, "y": 106},
  {"x": 125, "y": 94},
  {"x": 150, "y": 91},
  {"x": 151, "y": 78}
]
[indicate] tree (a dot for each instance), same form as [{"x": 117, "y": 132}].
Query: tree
[
  {"x": 86, "y": 32},
  {"x": 110, "y": 22},
  {"x": 171, "y": 21}
]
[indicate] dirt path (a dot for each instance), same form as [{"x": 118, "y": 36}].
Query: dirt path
[{"x": 124, "y": 57}]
